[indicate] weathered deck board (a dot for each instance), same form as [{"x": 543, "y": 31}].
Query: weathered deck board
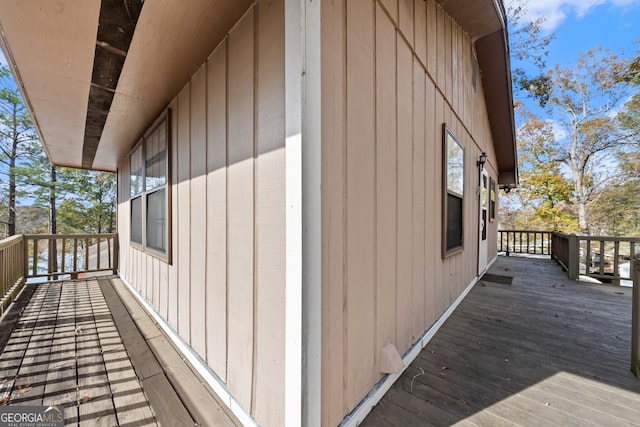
[
  {"x": 198, "y": 399},
  {"x": 541, "y": 351},
  {"x": 168, "y": 407},
  {"x": 64, "y": 349},
  {"x": 97, "y": 408},
  {"x": 89, "y": 345}
]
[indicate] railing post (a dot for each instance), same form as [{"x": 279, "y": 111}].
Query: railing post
[
  {"x": 25, "y": 260},
  {"x": 574, "y": 258},
  {"x": 635, "y": 316},
  {"x": 116, "y": 254}
]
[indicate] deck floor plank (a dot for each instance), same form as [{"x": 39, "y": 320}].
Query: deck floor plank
[
  {"x": 64, "y": 349},
  {"x": 200, "y": 400},
  {"x": 543, "y": 350},
  {"x": 96, "y": 405}
]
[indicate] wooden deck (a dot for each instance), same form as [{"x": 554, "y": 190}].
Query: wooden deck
[
  {"x": 89, "y": 346},
  {"x": 542, "y": 350}
]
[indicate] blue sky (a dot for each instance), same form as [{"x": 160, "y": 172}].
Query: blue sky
[{"x": 582, "y": 24}]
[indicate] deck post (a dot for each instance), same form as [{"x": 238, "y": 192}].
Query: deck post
[
  {"x": 635, "y": 316},
  {"x": 25, "y": 259},
  {"x": 116, "y": 254},
  {"x": 573, "y": 258}
]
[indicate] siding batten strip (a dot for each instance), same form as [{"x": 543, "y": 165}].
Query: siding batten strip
[
  {"x": 256, "y": 165},
  {"x": 293, "y": 197},
  {"x": 312, "y": 216},
  {"x": 217, "y": 385}
]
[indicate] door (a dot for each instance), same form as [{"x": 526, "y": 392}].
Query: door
[{"x": 483, "y": 221}]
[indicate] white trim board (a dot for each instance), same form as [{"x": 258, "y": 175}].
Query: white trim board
[
  {"x": 203, "y": 369},
  {"x": 357, "y": 416}
]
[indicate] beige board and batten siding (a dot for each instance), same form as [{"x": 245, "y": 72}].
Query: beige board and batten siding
[
  {"x": 224, "y": 290},
  {"x": 392, "y": 73}
]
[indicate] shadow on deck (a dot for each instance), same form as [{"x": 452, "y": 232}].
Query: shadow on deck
[
  {"x": 542, "y": 350},
  {"x": 89, "y": 346}
]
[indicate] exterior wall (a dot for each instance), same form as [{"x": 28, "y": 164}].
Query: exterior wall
[
  {"x": 224, "y": 292},
  {"x": 393, "y": 71}
]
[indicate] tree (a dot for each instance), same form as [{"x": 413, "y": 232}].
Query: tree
[
  {"x": 632, "y": 73},
  {"x": 583, "y": 100},
  {"x": 544, "y": 192},
  {"x": 96, "y": 194},
  {"x": 528, "y": 46},
  {"x": 16, "y": 130},
  {"x": 616, "y": 208},
  {"x": 52, "y": 188}
]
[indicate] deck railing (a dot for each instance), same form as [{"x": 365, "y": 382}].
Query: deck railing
[
  {"x": 74, "y": 254},
  {"x": 25, "y": 257},
  {"x": 524, "y": 242},
  {"x": 605, "y": 258},
  {"x": 11, "y": 269}
]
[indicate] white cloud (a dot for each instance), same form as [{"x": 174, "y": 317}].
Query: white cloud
[
  {"x": 555, "y": 11},
  {"x": 559, "y": 131}
]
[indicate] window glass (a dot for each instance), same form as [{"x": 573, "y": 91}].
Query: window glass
[
  {"x": 492, "y": 201},
  {"x": 156, "y": 220},
  {"x": 453, "y": 194},
  {"x": 136, "y": 220},
  {"x": 455, "y": 166},
  {"x": 156, "y": 158},
  {"x": 149, "y": 191},
  {"x": 136, "y": 172},
  {"x": 454, "y": 221}
]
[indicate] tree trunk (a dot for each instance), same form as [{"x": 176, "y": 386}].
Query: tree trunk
[
  {"x": 11, "y": 223},
  {"x": 577, "y": 166}
]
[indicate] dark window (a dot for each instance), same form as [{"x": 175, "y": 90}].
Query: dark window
[
  {"x": 454, "y": 221},
  {"x": 149, "y": 190},
  {"x": 492, "y": 200},
  {"x": 136, "y": 220},
  {"x": 157, "y": 220},
  {"x": 453, "y": 191}
]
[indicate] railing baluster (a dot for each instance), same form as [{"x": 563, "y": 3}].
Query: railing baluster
[
  {"x": 520, "y": 242},
  {"x": 64, "y": 249},
  {"x": 86, "y": 254},
  {"x": 588, "y": 259},
  {"x": 602, "y": 258},
  {"x": 49, "y": 256},
  {"x": 75, "y": 254},
  {"x": 109, "y": 240},
  {"x": 616, "y": 260},
  {"x": 35, "y": 257}
]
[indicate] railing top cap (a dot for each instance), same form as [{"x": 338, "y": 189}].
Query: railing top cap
[{"x": 10, "y": 241}]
